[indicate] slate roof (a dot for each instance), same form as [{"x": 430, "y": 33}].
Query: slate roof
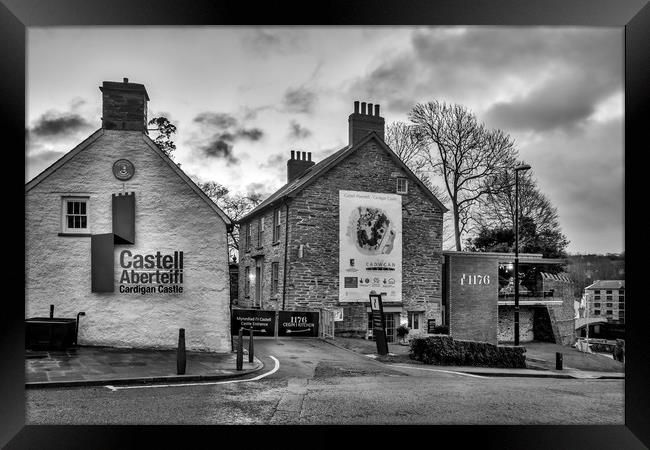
[
  {"x": 314, "y": 172},
  {"x": 607, "y": 284}
]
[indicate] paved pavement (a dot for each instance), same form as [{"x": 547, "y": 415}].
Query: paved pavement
[
  {"x": 86, "y": 366},
  {"x": 310, "y": 381}
]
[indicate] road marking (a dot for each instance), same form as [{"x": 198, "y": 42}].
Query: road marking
[
  {"x": 205, "y": 383},
  {"x": 438, "y": 370}
]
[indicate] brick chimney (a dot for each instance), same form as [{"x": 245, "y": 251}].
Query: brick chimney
[
  {"x": 297, "y": 165},
  {"x": 364, "y": 121},
  {"x": 124, "y": 106}
]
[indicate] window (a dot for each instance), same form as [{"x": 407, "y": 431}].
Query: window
[
  {"x": 247, "y": 238},
  {"x": 260, "y": 230},
  {"x": 276, "y": 225},
  {"x": 608, "y": 292},
  {"x": 414, "y": 320},
  {"x": 402, "y": 185},
  {"x": 621, "y": 306},
  {"x": 247, "y": 281},
  {"x": 609, "y": 297},
  {"x": 597, "y": 297},
  {"x": 275, "y": 270},
  {"x": 597, "y": 292},
  {"x": 609, "y": 305},
  {"x": 75, "y": 215},
  {"x": 597, "y": 312},
  {"x": 596, "y": 305},
  {"x": 609, "y": 312},
  {"x": 621, "y": 298}
]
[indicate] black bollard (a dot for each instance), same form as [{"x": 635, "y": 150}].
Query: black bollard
[
  {"x": 240, "y": 350},
  {"x": 51, "y": 311},
  {"x": 250, "y": 347},
  {"x": 558, "y": 361},
  {"x": 180, "y": 354}
]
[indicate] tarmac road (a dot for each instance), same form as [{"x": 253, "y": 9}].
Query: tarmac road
[{"x": 317, "y": 383}]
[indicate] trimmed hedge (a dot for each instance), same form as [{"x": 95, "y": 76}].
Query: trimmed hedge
[{"x": 444, "y": 350}]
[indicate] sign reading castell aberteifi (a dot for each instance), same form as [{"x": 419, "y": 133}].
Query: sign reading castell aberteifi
[
  {"x": 370, "y": 246},
  {"x": 147, "y": 274}
]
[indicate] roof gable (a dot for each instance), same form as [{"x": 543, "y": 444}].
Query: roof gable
[
  {"x": 313, "y": 173},
  {"x": 152, "y": 145}
]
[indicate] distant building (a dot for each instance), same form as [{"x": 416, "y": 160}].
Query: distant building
[{"x": 606, "y": 298}]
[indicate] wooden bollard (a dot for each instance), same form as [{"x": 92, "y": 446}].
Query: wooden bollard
[
  {"x": 240, "y": 350},
  {"x": 51, "y": 311},
  {"x": 180, "y": 353},
  {"x": 558, "y": 361},
  {"x": 250, "y": 347}
]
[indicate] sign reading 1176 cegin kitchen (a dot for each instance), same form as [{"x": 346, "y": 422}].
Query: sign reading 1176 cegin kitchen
[
  {"x": 370, "y": 246},
  {"x": 156, "y": 272}
]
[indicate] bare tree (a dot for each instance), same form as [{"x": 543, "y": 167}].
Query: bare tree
[
  {"x": 497, "y": 208},
  {"x": 235, "y": 206},
  {"x": 464, "y": 152}
]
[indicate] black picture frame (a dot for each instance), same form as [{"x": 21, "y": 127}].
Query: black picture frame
[{"x": 16, "y": 15}]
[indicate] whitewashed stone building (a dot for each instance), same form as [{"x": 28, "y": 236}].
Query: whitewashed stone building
[{"x": 117, "y": 230}]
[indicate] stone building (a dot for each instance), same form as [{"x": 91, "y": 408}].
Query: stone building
[
  {"x": 478, "y": 297},
  {"x": 117, "y": 230},
  {"x": 305, "y": 247}
]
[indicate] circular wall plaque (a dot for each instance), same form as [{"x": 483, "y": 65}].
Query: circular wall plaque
[{"x": 123, "y": 169}]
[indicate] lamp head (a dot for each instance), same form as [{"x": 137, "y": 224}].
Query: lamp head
[{"x": 522, "y": 167}]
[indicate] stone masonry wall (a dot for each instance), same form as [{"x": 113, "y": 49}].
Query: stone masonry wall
[
  {"x": 169, "y": 216},
  {"x": 271, "y": 252},
  {"x": 562, "y": 316},
  {"x": 473, "y": 307},
  {"x": 506, "y": 331},
  {"x": 314, "y": 222}
]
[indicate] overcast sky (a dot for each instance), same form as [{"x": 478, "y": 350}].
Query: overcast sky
[{"x": 243, "y": 97}]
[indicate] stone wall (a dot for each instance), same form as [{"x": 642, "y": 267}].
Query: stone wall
[
  {"x": 169, "y": 216},
  {"x": 562, "y": 316},
  {"x": 472, "y": 284},
  {"x": 313, "y": 278},
  {"x": 506, "y": 332}
]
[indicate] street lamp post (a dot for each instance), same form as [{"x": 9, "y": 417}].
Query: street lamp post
[{"x": 520, "y": 168}]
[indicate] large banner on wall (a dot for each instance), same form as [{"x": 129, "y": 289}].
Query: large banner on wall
[{"x": 370, "y": 246}]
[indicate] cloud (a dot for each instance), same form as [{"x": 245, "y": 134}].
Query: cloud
[
  {"x": 225, "y": 130},
  {"x": 265, "y": 41},
  {"x": 220, "y": 149},
  {"x": 532, "y": 78},
  {"x": 55, "y": 124},
  {"x": 219, "y": 120},
  {"x": 297, "y": 131},
  {"x": 299, "y": 100},
  {"x": 37, "y": 162}
]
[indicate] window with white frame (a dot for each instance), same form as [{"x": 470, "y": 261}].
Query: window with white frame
[
  {"x": 402, "y": 185},
  {"x": 75, "y": 215},
  {"x": 414, "y": 320}
]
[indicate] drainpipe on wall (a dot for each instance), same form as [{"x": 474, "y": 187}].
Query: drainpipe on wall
[{"x": 286, "y": 245}]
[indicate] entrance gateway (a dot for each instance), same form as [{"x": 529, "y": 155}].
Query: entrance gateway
[{"x": 272, "y": 323}]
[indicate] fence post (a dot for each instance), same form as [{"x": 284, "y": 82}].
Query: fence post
[
  {"x": 51, "y": 311},
  {"x": 240, "y": 350},
  {"x": 180, "y": 353},
  {"x": 558, "y": 361},
  {"x": 250, "y": 346}
]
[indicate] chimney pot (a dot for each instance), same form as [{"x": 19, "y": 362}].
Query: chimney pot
[
  {"x": 377, "y": 110},
  {"x": 363, "y": 107},
  {"x": 356, "y": 107},
  {"x": 126, "y": 80},
  {"x": 292, "y": 154},
  {"x": 370, "y": 109},
  {"x": 309, "y": 156},
  {"x": 304, "y": 156}
]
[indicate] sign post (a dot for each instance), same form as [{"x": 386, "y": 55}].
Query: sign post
[{"x": 378, "y": 324}]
